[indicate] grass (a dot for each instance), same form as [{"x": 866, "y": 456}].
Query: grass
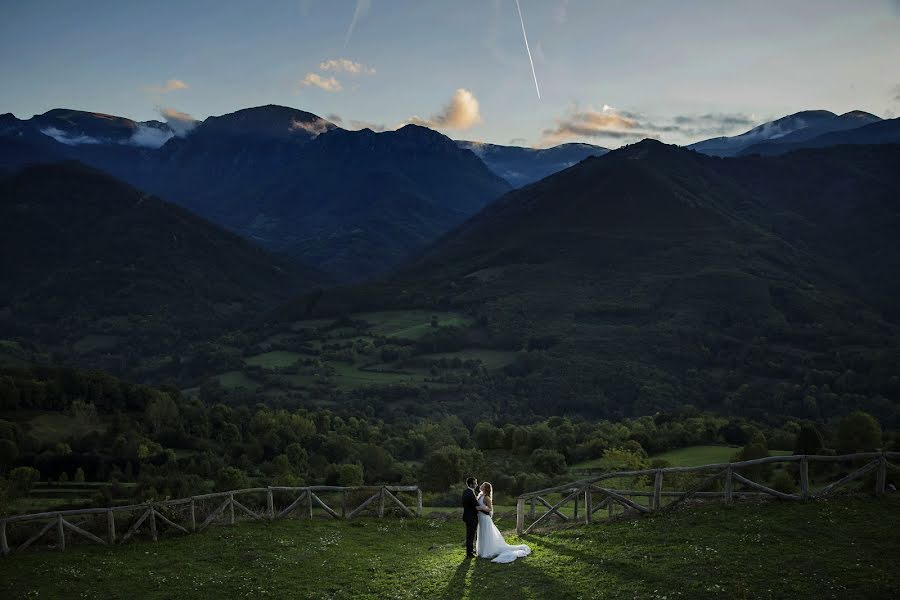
[
  {"x": 692, "y": 456},
  {"x": 236, "y": 379},
  {"x": 409, "y": 324},
  {"x": 490, "y": 359},
  {"x": 845, "y": 548},
  {"x": 273, "y": 360}
]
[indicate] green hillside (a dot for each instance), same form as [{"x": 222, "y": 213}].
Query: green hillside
[
  {"x": 843, "y": 549},
  {"x": 655, "y": 277}
]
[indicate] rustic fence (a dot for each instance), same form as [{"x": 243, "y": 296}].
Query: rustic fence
[
  {"x": 197, "y": 513},
  {"x": 594, "y": 496}
]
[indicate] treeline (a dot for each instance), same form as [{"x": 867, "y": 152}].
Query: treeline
[{"x": 173, "y": 446}]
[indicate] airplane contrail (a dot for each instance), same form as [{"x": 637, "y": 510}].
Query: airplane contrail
[
  {"x": 362, "y": 7},
  {"x": 528, "y": 50}
]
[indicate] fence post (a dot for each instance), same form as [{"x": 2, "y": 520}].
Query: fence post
[
  {"x": 60, "y": 533},
  {"x": 231, "y": 509},
  {"x": 381, "y": 503},
  {"x": 193, "y": 516},
  {"x": 111, "y": 526},
  {"x": 4, "y": 546},
  {"x": 657, "y": 491},
  {"x": 881, "y": 476},
  {"x": 309, "y": 495},
  {"x": 153, "y": 522},
  {"x": 729, "y": 484},
  {"x": 575, "y": 511},
  {"x": 520, "y": 515},
  {"x": 343, "y": 504},
  {"x": 531, "y": 511},
  {"x": 418, "y": 502},
  {"x": 804, "y": 478},
  {"x": 588, "y": 505}
]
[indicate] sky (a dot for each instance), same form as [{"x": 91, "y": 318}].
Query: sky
[{"x": 610, "y": 72}]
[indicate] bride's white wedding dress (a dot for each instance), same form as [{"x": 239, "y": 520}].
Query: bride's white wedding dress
[{"x": 490, "y": 542}]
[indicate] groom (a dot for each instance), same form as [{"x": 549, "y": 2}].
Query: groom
[{"x": 470, "y": 515}]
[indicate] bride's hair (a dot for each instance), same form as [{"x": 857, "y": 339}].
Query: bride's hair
[{"x": 488, "y": 490}]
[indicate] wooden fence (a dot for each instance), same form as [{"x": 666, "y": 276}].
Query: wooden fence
[
  {"x": 594, "y": 496},
  {"x": 197, "y": 513}
]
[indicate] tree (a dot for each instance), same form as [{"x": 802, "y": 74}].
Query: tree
[
  {"x": 858, "y": 432},
  {"x": 349, "y": 474},
  {"x": 9, "y": 452},
  {"x": 447, "y": 466},
  {"x": 23, "y": 478},
  {"x": 550, "y": 462},
  {"x": 488, "y": 437},
  {"x": 232, "y": 478},
  {"x": 79, "y": 475},
  {"x": 809, "y": 440}
]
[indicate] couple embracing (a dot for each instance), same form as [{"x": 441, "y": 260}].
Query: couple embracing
[{"x": 483, "y": 539}]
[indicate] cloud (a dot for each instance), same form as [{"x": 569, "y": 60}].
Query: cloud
[
  {"x": 362, "y": 9},
  {"x": 712, "y": 123},
  {"x": 518, "y": 141},
  {"x": 345, "y": 65},
  {"x": 334, "y": 118},
  {"x": 313, "y": 128},
  {"x": 461, "y": 113},
  {"x": 329, "y": 84},
  {"x": 626, "y": 126},
  {"x": 561, "y": 12},
  {"x": 180, "y": 123},
  {"x": 593, "y": 124},
  {"x": 68, "y": 139},
  {"x": 147, "y": 136},
  {"x": 169, "y": 86}
]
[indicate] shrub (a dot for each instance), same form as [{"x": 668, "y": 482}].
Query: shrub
[
  {"x": 784, "y": 482},
  {"x": 22, "y": 479}
]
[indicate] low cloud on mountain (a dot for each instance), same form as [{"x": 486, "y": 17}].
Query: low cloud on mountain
[
  {"x": 627, "y": 126},
  {"x": 68, "y": 139},
  {"x": 462, "y": 112},
  {"x": 180, "y": 123}
]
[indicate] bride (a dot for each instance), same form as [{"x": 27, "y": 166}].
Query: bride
[{"x": 490, "y": 542}]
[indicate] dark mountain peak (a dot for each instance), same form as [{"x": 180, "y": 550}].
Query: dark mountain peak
[
  {"x": 269, "y": 121},
  {"x": 861, "y": 115},
  {"x": 71, "y": 126},
  {"x": 649, "y": 149}
]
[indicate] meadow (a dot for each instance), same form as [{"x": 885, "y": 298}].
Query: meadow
[
  {"x": 844, "y": 548},
  {"x": 359, "y": 351}
]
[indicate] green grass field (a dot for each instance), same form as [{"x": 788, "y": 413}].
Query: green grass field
[
  {"x": 236, "y": 379},
  {"x": 409, "y": 324},
  {"x": 841, "y": 549},
  {"x": 273, "y": 360},
  {"x": 692, "y": 456},
  {"x": 490, "y": 359}
]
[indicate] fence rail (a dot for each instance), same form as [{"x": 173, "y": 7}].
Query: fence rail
[
  {"x": 595, "y": 497},
  {"x": 197, "y": 513}
]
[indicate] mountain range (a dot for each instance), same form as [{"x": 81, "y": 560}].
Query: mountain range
[
  {"x": 654, "y": 274},
  {"x": 806, "y": 129},
  {"x": 91, "y": 263},
  {"x": 521, "y": 166},
  {"x": 354, "y": 203}
]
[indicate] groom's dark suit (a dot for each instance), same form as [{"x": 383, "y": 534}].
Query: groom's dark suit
[{"x": 470, "y": 517}]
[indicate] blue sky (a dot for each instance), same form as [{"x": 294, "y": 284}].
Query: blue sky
[{"x": 610, "y": 72}]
